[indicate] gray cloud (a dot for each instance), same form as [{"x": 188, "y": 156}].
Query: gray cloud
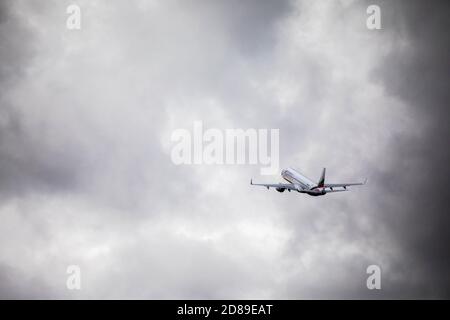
[
  {"x": 85, "y": 169},
  {"x": 24, "y": 152},
  {"x": 416, "y": 73}
]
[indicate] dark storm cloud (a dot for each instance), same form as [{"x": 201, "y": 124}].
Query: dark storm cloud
[
  {"x": 253, "y": 23},
  {"x": 88, "y": 124},
  {"x": 408, "y": 199},
  {"x": 407, "y": 196},
  {"x": 85, "y": 142},
  {"x": 418, "y": 73},
  {"x": 18, "y": 285},
  {"x": 27, "y": 162}
]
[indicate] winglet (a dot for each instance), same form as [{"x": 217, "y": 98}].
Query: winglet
[
  {"x": 365, "y": 181},
  {"x": 251, "y": 182}
]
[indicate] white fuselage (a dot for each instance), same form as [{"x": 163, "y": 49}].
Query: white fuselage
[
  {"x": 301, "y": 182},
  {"x": 296, "y": 178}
]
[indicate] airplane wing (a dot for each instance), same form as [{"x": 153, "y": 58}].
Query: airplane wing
[
  {"x": 343, "y": 185},
  {"x": 288, "y": 186}
]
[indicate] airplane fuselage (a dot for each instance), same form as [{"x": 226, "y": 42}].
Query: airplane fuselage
[
  {"x": 298, "y": 182},
  {"x": 302, "y": 183}
]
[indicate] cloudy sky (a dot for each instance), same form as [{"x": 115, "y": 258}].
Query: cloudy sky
[{"x": 86, "y": 176}]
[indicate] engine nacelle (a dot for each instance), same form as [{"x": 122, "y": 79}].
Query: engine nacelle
[{"x": 280, "y": 189}]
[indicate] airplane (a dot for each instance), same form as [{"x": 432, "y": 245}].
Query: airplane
[{"x": 302, "y": 184}]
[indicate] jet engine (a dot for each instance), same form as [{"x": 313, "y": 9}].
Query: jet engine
[{"x": 280, "y": 189}]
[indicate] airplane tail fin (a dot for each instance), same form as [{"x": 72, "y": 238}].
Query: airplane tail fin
[{"x": 322, "y": 179}]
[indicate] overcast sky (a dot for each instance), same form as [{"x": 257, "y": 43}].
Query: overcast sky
[{"x": 86, "y": 176}]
